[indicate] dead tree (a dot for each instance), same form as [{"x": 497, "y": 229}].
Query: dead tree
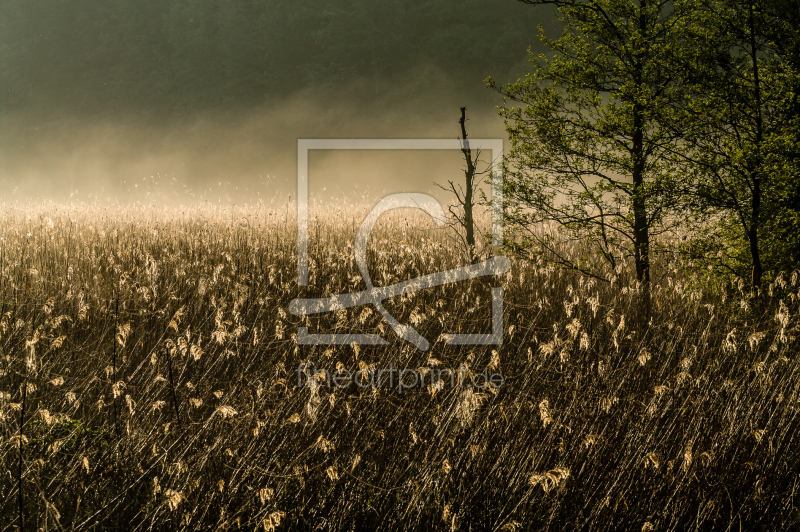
[{"x": 463, "y": 210}]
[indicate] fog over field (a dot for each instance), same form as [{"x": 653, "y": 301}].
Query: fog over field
[
  {"x": 243, "y": 155},
  {"x": 165, "y": 101}
]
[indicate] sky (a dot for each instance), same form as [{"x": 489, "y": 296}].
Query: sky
[{"x": 205, "y": 101}]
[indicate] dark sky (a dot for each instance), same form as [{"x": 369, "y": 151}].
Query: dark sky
[{"x": 182, "y": 101}]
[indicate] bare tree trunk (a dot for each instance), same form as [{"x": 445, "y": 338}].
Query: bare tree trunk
[
  {"x": 469, "y": 173},
  {"x": 465, "y": 195}
]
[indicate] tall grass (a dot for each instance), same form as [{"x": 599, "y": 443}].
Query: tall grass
[{"x": 149, "y": 381}]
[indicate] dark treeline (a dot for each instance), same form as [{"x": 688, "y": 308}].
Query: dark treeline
[{"x": 89, "y": 57}]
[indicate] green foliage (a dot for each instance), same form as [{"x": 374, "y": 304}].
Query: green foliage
[
  {"x": 64, "y": 436},
  {"x": 739, "y": 136},
  {"x": 589, "y": 151},
  {"x": 653, "y": 117}
]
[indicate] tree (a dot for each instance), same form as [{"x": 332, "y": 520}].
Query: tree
[
  {"x": 588, "y": 151},
  {"x": 742, "y": 143},
  {"x": 466, "y": 195}
]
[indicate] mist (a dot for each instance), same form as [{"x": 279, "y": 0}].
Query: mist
[
  {"x": 244, "y": 155},
  {"x": 154, "y": 118}
]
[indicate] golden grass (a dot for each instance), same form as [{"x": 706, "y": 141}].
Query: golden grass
[{"x": 148, "y": 381}]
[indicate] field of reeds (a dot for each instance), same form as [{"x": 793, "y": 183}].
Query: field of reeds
[{"x": 149, "y": 381}]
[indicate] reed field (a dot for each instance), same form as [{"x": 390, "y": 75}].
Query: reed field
[{"x": 151, "y": 379}]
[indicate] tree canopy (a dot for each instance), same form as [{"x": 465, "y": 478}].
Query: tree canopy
[
  {"x": 653, "y": 116},
  {"x": 589, "y": 150}
]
